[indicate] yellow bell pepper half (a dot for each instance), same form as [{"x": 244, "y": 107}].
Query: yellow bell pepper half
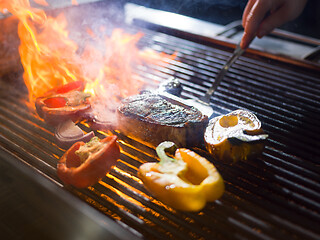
[{"x": 186, "y": 182}]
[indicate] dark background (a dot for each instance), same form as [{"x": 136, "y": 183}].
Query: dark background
[{"x": 226, "y": 11}]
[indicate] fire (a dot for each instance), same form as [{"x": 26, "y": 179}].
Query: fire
[
  {"x": 51, "y": 58},
  {"x": 47, "y": 62},
  {"x": 41, "y": 2}
]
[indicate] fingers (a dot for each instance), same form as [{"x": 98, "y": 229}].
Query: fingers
[
  {"x": 256, "y": 22},
  {"x": 286, "y": 12},
  {"x": 246, "y": 12},
  {"x": 271, "y": 22},
  {"x": 255, "y": 12},
  {"x": 246, "y": 40}
]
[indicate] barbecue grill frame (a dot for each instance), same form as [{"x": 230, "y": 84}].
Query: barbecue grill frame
[
  {"x": 67, "y": 217},
  {"x": 210, "y": 33},
  {"x": 231, "y": 216}
]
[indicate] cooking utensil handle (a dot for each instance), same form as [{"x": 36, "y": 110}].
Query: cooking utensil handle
[{"x": 236, "y": 54}]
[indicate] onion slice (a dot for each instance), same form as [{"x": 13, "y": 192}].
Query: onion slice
[{"x": 67, "y": 133}]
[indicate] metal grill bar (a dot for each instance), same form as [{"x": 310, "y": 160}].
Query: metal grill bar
[
  {"x": 257, "y": 94},
  {"x": 309, "y": 96}
]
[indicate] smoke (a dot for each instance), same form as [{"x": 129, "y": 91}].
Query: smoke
[
  {"x": 217, "y": 11},
  {"x": 181, "y": 4},
  {"x": 221, "y": 3}
]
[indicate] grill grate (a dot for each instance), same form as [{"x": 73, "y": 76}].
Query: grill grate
[{"x": 274, "y": 197}]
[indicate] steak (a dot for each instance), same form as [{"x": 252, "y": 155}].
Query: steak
[{"x": 153, "y": 118}]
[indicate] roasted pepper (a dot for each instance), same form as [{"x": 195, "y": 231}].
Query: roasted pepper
[
  {"x": 83, "y": 164},
  {"x": 63, "y": 103},
  {"x": 186, "y": 182},
  {"x": 235, "y": 136}
]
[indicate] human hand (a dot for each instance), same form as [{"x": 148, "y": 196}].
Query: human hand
[{"x": 261, "y": 16}]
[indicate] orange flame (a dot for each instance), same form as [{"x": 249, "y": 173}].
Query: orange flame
[
  {"x": 50, "y": 58},
  {"x": 74, "y": 2},
  {"x": 41, "y": 2},
  {"x": 47, "y": 63}
]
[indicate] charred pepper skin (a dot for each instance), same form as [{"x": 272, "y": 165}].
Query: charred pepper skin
[
  {"x": 236, "y": 136},
  {"x": 72, "y": 171},
  {"x": 186, "y": 182},
  {"x": 54, "y": 106}
]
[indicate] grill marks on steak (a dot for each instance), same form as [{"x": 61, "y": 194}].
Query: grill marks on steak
[
  {"x": 156, "y": 109},
  {"x": 153, "y": 118}
]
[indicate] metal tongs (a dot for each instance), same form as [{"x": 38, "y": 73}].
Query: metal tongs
[
  {"x": 203, "y": 104},
  {"x": 236, "y": 54}
]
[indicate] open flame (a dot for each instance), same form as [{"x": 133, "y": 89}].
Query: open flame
[{"x": 51, "y": 58}]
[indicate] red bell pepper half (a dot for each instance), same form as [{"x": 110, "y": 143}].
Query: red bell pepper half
[
  {"x": 84, "y": 164},
  {"x": 63, "y": 103}
]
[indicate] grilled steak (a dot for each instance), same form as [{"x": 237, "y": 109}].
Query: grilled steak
[{"x": 154, "y": 118}]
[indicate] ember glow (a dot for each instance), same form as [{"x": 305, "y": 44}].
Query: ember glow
[{"x": 51, "y": 58}]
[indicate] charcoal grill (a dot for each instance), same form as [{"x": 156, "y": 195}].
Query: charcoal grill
[{"x": 277, "y": 196}]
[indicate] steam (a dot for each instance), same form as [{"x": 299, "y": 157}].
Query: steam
[
  {"x": 81, "y": 44},
  {"x": 225, "y": 3},
  {"x": 104, "y": 107},
  {"x": 177, "y": 5}
]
